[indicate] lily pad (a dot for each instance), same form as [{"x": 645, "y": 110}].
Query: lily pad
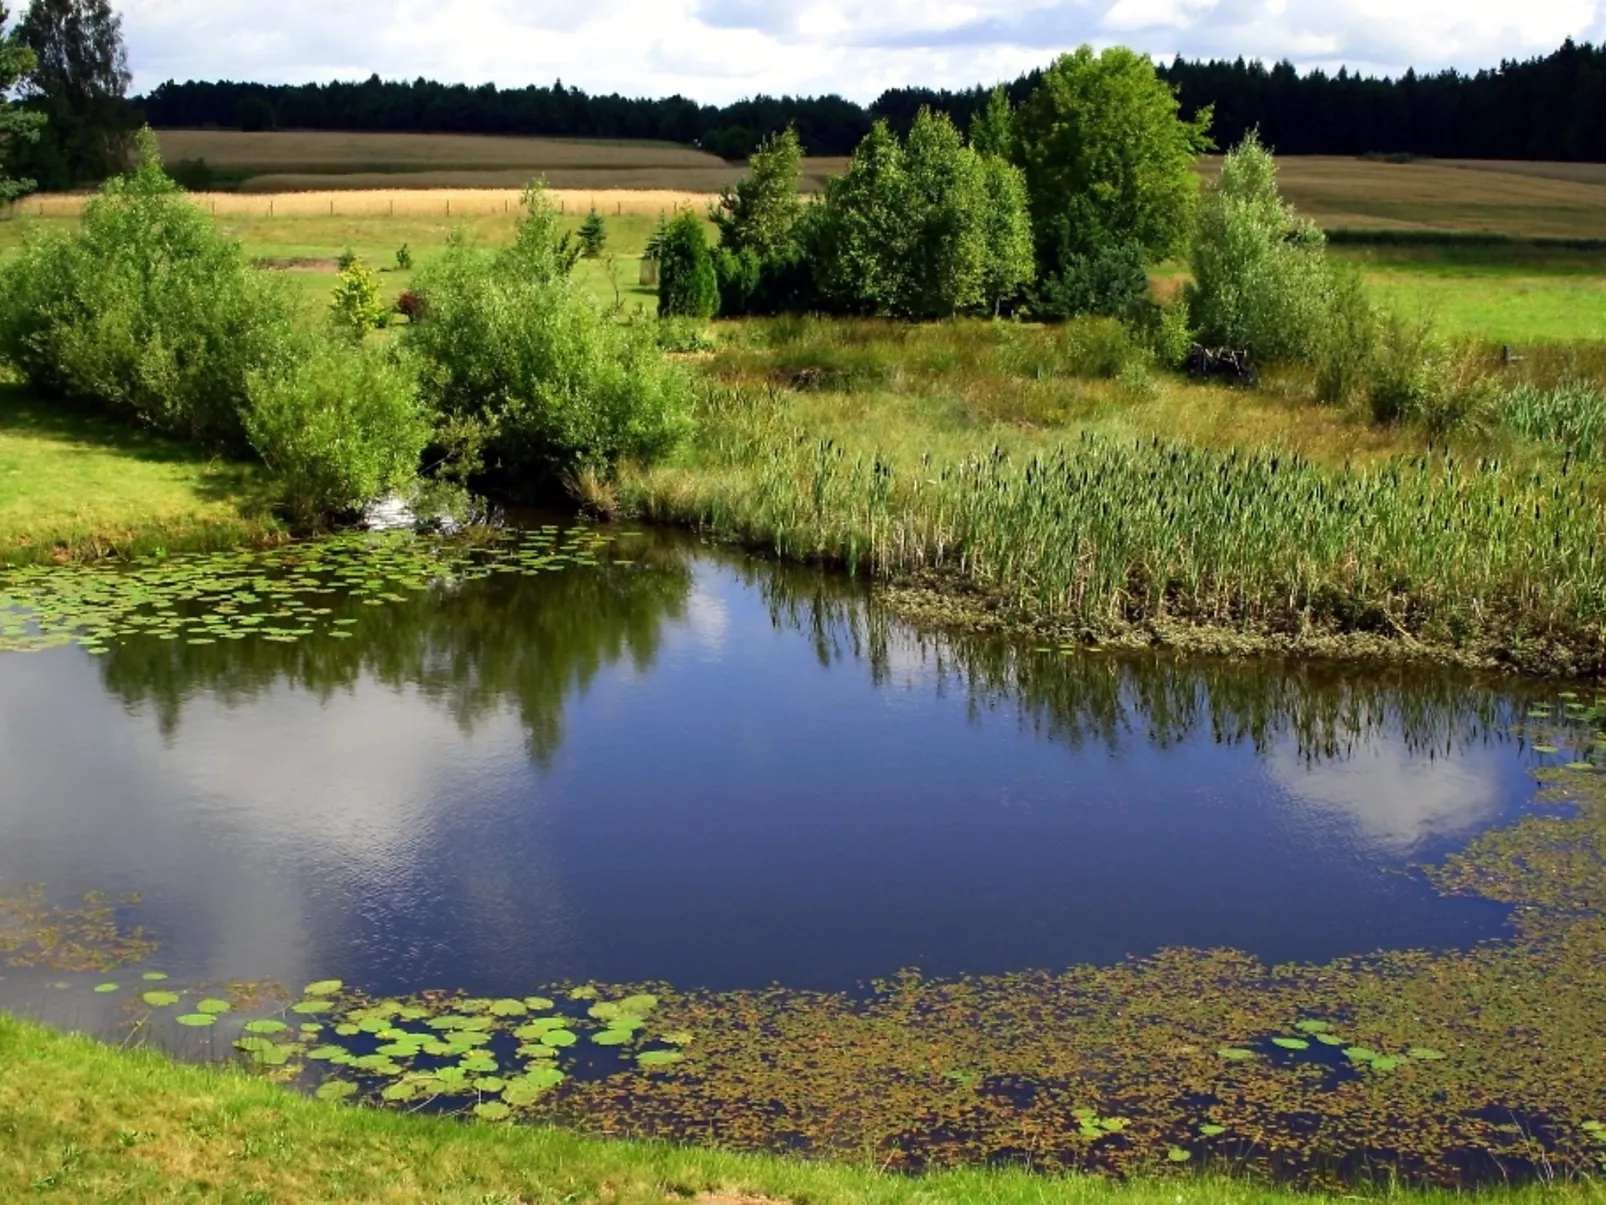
[
  {"x": 213, "y": 1006},
  {"x": 154, "y": 976},
  {"x": 160, "y": 999},
  {"x": 509, "y": 1008},
  {"x": 558, "y": 1038},
  {"x": 658, "y": 1058},
  {"x": 1178, "y": 1154},
  {"x": 1212, "y": 1131},
  {"x": 1235, "y": 1054},
  {"x": 1291, "y": 1043},
  {"x": 539, "y": 1004},
  {"x": 1361, "y": 1054},
  {"x": 266, "y": 1025},
  {"x": 324, "y": 987},
  {"x": 1312, "y": 1027},
  {"x": 638, "y": 1006},
  {"x": 105, "y": 988},
  {"x": 196, "y": 1020},
  {"x": 612, "y": 1037},
  {"x": 492, "y": 1110},
  {"x": 311, "y": 1008},
  {"x": 335, "y": 1089}
]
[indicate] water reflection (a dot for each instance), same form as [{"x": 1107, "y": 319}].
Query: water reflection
[{"x": 705, "y": 769}]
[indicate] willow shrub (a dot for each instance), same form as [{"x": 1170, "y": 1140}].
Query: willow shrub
[
  {"x": 339, "y": 424},
  {"x": 146, "y": 310},
  {"x": 527, "y": 375}
]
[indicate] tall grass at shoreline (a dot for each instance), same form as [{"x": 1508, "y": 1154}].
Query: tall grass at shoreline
[{"x": 1101, "y": 535}]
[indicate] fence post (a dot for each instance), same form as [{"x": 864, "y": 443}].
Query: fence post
[{"x": 448, "y": 206}]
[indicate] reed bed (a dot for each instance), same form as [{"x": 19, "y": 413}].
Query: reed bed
[{"x": 1101, "y": 536}]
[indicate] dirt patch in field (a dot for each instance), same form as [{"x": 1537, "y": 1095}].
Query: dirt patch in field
[{"x": 294, "y": 263}]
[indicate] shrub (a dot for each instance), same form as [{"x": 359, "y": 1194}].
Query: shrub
[
  {"x": 593, "y": 235},
  {"x": 1346, "y": 342},
  {"x": 147, "y": 310},
  {"x": 1261, "y": 277},
  {"x": 1401, "y": 369},
  {"x": 1099, "y": 349},
  {"x": 1445, "y": 387},
  {"x": 404, "y": 258},
  {"x": 1109, "y": 281},
  {"x": 1171, "y": 336},
  {"x": 515, "y": 362},
  {"x": 345, "y": 259},
  {"x": 337, "y": 425},
  {"x": 687, "y": 287},
  {"x": 357, "y": 306}
]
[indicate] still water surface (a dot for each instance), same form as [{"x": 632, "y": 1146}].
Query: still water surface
[{"x": 706, "y": 770}]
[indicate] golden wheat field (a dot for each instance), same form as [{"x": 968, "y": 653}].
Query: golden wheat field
[{"x": 406, "y": 202}]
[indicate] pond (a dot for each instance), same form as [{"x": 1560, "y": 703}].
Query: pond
[{"x": 612, "y": 828}]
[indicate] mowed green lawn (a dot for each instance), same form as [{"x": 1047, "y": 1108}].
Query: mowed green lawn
[
  {"x": 1518, "y": 295},
  {"x": 74, "y": 485}
]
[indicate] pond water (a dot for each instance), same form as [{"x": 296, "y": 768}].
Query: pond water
[{"x": 630, "y": 759}]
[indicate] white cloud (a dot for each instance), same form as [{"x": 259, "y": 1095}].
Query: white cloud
[
  {"x": 1389, "y": 800},
  {"x": 719, "y": 50}
]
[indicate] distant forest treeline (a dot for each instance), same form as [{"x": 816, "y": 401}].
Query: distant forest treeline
[{"x": 1544, "y": 108}]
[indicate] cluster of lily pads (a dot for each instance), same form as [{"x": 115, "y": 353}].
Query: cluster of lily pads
[
  {"x": 1570, "y": 728},
  {"x": 490, "y": 1056},
  {"x": 1312, "y": 1034},
  {"x": 281, "y": 596}
]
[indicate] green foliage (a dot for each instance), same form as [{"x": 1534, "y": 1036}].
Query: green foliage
[
  {"x": 1172, "y": 336},
  {"x": 1261, "y": 276},
  {"x": 518, "y": 364},
  {"x": 1007, "y": 230},
  {"x": 925, "y": 229},
  {"x": 687, "y": 287},
  {"x": 1416, "y": 376},
  {"x": 593, "y": 235},
  {"x": 1108, "y": 159},
  {"x": 147, "y": 310},
  {"x": 78, "y": 81},
  {"x": 1099, "y": 349},
  {"x": 1346, "y": 341},
  {"x": 338, "y": 425},
  {"x": 18, "y": 126},
  {"x": 542, "y": 249},
  {"x": 1571, "y": 413},
  {"x": 758, "y": 214},
  {"x": 1109, "y": 280},
  {"x": 992, "y": 127},
  {"x": 404, "y": 258},
  {"x": 357, "y": 306}
]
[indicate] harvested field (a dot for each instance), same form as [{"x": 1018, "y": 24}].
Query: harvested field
[
  {"x": 1520, "y": 200},
  {"x": 301, "y": 161},
  {"x": 401, "y": 202}
]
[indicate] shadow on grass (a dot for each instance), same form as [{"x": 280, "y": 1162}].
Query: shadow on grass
[{"x": 23, "y": 412}]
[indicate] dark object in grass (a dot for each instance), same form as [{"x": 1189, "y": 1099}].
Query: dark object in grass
[
  {"x": 411, "y": 305},
  {"x": 1221, "y": 362}
]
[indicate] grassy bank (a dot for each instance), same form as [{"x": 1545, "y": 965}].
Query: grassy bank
[
  {"x": 983, "y": 460},
  {"x": 74, "y": 486},
  {"x": 85, "y": 1122}
]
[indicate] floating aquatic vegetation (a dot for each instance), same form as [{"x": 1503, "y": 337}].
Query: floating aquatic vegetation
[{"x": 85, "y": 937}]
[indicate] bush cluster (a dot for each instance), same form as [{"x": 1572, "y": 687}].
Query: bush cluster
[
  {"x": 148, "y": 311},
  {"x": 528, "y": 375}
]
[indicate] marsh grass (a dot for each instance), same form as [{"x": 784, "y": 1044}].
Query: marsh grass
[
  {"x": 85, "y": 1122},
  {"x": 75, "y": 486},
  {"x": 979, "y": 455}
]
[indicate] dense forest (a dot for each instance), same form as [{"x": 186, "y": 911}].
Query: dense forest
[{"x": 1552, "y": 107}]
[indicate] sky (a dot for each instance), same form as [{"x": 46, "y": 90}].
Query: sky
[{"x": 716, "y": 51}]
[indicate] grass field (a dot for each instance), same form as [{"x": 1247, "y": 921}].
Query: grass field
[
  {"x": 85, "y": 1122},
  {"x": 75, "y": 486}
]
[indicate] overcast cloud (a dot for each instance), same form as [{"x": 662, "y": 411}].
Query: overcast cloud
[{"x": 719, "y": 50}]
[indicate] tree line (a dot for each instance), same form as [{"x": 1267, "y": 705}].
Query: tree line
[{"x": 1549, "y": 107}]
